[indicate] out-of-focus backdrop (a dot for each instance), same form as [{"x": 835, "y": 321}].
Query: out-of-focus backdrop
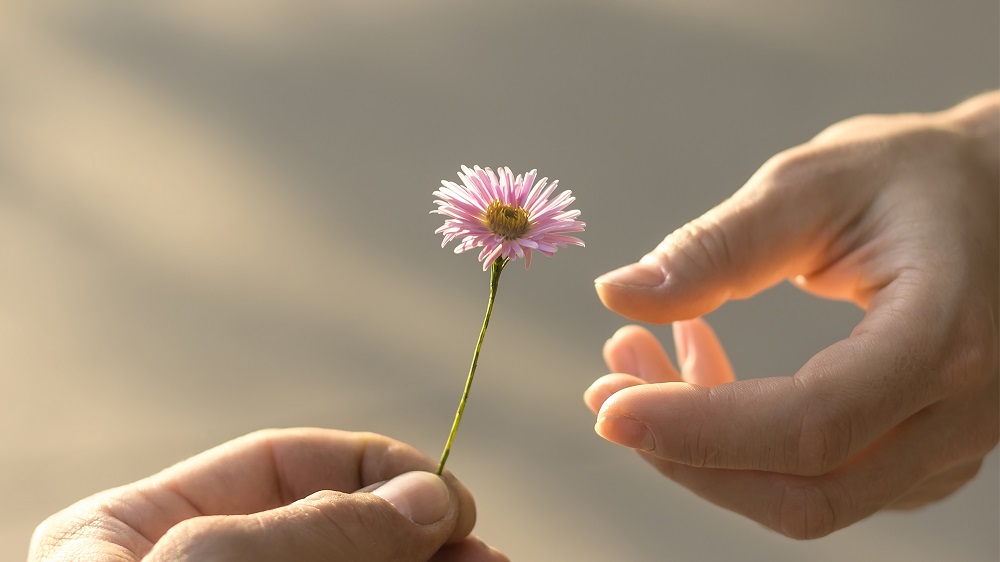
[{"x": 214, "y": 218}]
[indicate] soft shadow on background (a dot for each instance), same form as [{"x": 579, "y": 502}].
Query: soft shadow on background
[{"x": 213, "y": 219}]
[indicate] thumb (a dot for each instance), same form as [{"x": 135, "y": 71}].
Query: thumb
[
  {"x": 771, "y": 229},
  {"x": 406, "y": 519}
]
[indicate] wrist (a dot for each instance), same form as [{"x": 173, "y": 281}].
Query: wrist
[{"x": 978, "y": 119}]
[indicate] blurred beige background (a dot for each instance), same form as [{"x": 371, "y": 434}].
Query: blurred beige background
[{"x": 214, "y": 218}]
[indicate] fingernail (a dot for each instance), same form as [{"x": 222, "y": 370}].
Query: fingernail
[
  {"x": 370, "y": 488},
  {"x": 601, "y": 392},
  {"x": 625, "y": 431},
  {"x": 420, "y": 496},
  {"x": 641, "y": 274},
  {"x": 597, "y": 395}
]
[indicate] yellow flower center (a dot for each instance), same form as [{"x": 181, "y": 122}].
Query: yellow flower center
[{"x": 507, "y": 221}]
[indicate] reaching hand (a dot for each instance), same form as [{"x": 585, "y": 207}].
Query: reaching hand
[
  {"x": 276, "y": 495},
  {"x": 897, "y": 214}
]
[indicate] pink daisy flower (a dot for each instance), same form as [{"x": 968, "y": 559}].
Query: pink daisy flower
[{"x": 508, "y": 216}]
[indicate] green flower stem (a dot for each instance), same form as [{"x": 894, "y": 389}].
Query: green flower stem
[{"x": 495, "y": 270}]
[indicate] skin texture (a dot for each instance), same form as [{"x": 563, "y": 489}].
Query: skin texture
[
  {"x": 897, "y": 214},
  {"x": 276, "y": 495}
]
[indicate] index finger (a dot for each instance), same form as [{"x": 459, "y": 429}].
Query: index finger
[
  {"x": 775, "y": 227},
  {"x": 270, "y": 468},
  {"x": 265, "y": 470}
]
